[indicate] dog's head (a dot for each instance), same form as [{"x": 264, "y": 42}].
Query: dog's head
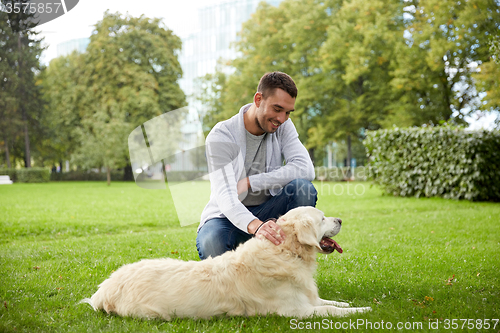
[{"x": 312, "y": 228}]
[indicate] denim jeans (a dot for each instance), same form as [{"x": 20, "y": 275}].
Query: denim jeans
[{"x": 219, "y": 235}]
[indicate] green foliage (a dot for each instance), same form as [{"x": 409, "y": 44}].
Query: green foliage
[
  {"x": 20, "y": 96},
  {"x": 445, "y": 42},
  {"x": 212, "y": 97},
  {"x": 488, "y": 79},
  {"x": 130, "y": 76},
  {"x": 127, "y": 76},
  {"x": 60, "y": 84},
  {"x": 84, "y": 175},
  {"x": 364, "y": 64},
  {"x": 11, "y": 172},
  {"x": 181, "y": 176},
  {"x": 33, "y": 175},
  {"x": 340, "y": 174},
  {"x": 436, "y": 161}
]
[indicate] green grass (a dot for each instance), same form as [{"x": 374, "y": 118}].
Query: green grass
[{"x": 60, "y": 240}]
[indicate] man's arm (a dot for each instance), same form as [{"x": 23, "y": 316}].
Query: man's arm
[
  {"x": 224, "y": 160},
  {"x": 298, "y": 163}
]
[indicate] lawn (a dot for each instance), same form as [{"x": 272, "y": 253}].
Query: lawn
[{"x": 419, "y": 263}]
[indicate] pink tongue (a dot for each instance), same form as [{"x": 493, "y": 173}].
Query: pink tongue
[
  {"x": 337, "y": 247},
  {"x": 330, "y": 245}
]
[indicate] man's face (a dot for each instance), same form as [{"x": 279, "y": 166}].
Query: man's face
[{"x": 274, "y": 110}]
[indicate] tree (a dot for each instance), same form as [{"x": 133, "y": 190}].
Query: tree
[
  {"x": 10, "y": 121},
  {"x": 357, "y": 60},
  {"x": 364, "y": 64},
  {"x": 130, "y": 76},
  {"x": 21, "y": 51},
  {"x": 62, "y": 89},
  {"x": 212, "y": 88},
  {"x": 488, "y": 79},
  {"x": 284, "y": 38},
  {"x": 445, "y": 42}
]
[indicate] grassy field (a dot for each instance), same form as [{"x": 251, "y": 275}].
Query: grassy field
[{"x": 419, "y": 263}]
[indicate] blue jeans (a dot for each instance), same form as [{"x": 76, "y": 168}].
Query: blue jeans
[{"x": 219, "y": 235}]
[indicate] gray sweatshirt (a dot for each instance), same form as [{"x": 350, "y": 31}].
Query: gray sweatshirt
[{"x": 286, "y": 159}]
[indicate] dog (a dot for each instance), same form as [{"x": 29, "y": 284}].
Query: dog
[{"x": 257, "y": 278}]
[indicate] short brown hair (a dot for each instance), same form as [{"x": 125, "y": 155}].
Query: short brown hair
[{"x": 270, "y": 81}]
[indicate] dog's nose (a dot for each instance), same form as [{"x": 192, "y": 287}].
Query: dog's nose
[{"x": 338, "y": 220}]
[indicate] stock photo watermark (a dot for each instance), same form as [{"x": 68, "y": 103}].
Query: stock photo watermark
[
  {"x": 363, "y": 324},
  {"x": 38, "y": 12}
]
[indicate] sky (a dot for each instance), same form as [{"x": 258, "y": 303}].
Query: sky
[{"x": 180, "y": 16}]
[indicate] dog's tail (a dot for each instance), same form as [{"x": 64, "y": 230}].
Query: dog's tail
[{"x": 88, "y": 301}]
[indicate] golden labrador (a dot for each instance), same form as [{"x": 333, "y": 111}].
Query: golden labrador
[{"x": 256, "y": 279}]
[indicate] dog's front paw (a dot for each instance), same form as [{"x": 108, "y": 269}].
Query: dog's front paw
[{"x": 342, "y": 304}]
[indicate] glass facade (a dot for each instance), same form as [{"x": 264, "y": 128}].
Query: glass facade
[
  {"x": 218, "y": 25},
  {"x": 218, "y": 28},
  {"x": 80, "y": 45}
]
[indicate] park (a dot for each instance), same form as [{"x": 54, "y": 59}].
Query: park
[
  {"x": 397, "y": 115},
  {"x": 412, "y": 260}
]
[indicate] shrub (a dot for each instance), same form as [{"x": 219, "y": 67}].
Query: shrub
[
  {"x": 11, "y": 172},
  {"x": 436, "y": 161},
  {"x": 182, "y": 176},
  {"x": 339, "y": 174},
  {"x": 33, "y": 175},
  {"x": 83, "y": 175}
]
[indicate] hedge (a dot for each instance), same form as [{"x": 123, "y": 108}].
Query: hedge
[
  {"x": 340, "y": 174},
  {"x": 11, "y": 172},
  {"x": 32, "y": 175},
  {"x": 436, "y": 161},
  {"x": 84, "y": 175},
  {"x": 182, "y": 176}
]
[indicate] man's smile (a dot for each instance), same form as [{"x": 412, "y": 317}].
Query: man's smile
[{"x": 275, "y": 124}]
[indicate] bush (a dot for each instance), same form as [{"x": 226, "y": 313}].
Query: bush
[
  {"x": 436, "y": 161},
  {"x": 83, "y": 175},
  {"x": 339, "y": 174},
  {"x": 182, "y": 176},
  {"x": 11, "y": 172},
  {"x": 33, "y": 175}
]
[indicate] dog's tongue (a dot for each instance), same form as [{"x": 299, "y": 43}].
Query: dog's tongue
[{"x": 328, "y": 245}]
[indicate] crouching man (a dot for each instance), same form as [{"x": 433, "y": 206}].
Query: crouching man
[{"x": 258, "y": 170}]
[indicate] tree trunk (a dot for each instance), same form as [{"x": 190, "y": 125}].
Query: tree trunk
[
  {"x": 349, "y": 157},
  {"x": 108, "y": 175},
  {"x": 311, "y": 154},
  {"x": 128, "y": 175},
  {"x": 22, "y": 99},
  {"x": 7, "y": 153}
]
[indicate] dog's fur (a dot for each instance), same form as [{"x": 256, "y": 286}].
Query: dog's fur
[{"x": 256, "y": 279}]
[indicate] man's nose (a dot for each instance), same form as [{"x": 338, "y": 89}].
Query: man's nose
[{"x": 282, "y": 117}]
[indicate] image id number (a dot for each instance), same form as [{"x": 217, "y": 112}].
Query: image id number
[
  {"x": 470, "y": 324},
  {"x": 32, "y": 8}
]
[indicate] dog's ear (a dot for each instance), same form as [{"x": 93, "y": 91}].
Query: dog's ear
[{"x": 306, "y": 232}]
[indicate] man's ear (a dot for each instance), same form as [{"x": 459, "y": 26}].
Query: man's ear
[
  {"x": 306, "y": 233},
  {"x": 257, "y": 99}
]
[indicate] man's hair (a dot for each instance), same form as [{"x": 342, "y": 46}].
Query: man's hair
[{"x": 270, "y": 81}]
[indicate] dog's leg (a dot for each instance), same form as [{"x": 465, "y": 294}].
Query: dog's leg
[
  {"x": 328, "y": 310},
  {"x": 338, "y": 304}
]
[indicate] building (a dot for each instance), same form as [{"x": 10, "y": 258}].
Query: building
[
  {"x": 218, "y": 26},
  {"x": 79, "y": 45}
]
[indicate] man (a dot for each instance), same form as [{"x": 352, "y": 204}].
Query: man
[{"x": 250, "y": 184}]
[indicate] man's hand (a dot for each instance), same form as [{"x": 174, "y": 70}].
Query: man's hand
[
  {"x": 269, "y": 230},
  {"x": 243, "y": 185}
]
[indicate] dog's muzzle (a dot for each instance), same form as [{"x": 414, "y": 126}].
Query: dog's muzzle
[{"x": 328, "y": 245}]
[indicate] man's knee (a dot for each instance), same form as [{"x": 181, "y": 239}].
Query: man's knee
[
  {"x": 210, "y": 244},
  {"x": 303, "y": 191}
]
